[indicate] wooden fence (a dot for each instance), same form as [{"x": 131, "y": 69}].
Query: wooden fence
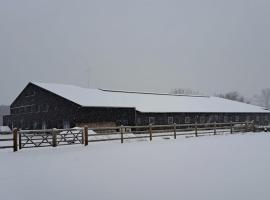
[
  {"x": 57, "y": 137},
  {"x": 6, "y": 140}
]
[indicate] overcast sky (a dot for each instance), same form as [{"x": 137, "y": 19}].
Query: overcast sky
[{"x": 212, "y": 46}]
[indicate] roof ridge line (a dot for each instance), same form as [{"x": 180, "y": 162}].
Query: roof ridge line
[{"x": 152, "y": 93}]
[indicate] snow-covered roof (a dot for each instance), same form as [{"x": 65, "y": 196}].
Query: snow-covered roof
[{"x": 149, "y": 102}]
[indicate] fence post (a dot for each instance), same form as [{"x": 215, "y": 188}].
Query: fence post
[
  {"x": 196, "y": 129},
  {"x": 85, "y": 132},
  {"x": 122, "y": 134},
  {"x": 215, "y": 128},
  {"x": 253, "y": 126},
  {"x": 174, "y": 129},
  {"x": 82, "y": 136},
  {"x": 150, "y": 131},
  {"x": 231, "y": 127},
  {"x": 20, "y": 140},
  {"x": 246, "y": 126},
  {"x": 54, "y": 137},
  {"x": 15, "y": 139}
]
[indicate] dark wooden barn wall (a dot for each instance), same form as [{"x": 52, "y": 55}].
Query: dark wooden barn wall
[
  {"x": 119, "y": 116},
  {"x": 35, "y": 105},
  {"x": 180, "y": 118}
]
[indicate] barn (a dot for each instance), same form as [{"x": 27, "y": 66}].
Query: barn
[{"x": 48, "y": 105}]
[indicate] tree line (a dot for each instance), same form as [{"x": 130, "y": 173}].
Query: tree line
[{"x": 260, "y": 99}]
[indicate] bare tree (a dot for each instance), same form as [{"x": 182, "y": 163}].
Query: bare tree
[
  {"x": 235, "y": 96},
  {"x": 184, "y": 91},
  {"x": 263, "y": 99}
]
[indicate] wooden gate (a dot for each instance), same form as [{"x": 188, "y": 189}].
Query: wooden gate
[{"x": 52, "y": 137}]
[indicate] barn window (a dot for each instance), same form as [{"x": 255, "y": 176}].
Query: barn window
[
  {"x": 226, "y": 118},
  {"x": 248, "y": 118},
  {"x": 35, "y": 124},
  {"x": 33, "y": 108},
  {"x": 266, "y": 118},
  {"x": 187, "y": 120},
  {"x": 170, "y": 120},
  {"x": 139, "y": 121},
  {"x": 27, "y": 125},
  {"x": 66, "y": 124},
  {"x": 30, "y": 93},
  {"x": 237, "y": 118},
  {"x": 210, "y": 119},
  {"x": 202, "y": 119},
  {"x": 151, "y": 120},
  {"x": 29, "y": 109},
  {"x": 21, "y": 110},
  {"x": 46, "y": 108},
  {"x": 216, "y": 118},
  {"x": 44, "y": 125},
  {"x": 257, "y": 118},
  {"x": 21, "y": 123},
  {"x": 37, "y": 108}
]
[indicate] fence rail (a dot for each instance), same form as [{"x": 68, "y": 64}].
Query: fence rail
[
  {"x": 57, "y": 137},
  {"x": 6, "y": 140}
]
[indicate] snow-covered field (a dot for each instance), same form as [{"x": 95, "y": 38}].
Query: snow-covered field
[{"x": 228, "y": 167}]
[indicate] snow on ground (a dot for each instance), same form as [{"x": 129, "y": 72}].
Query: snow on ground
[
  {"x": 205, "y": 168},
  {"x": 4, "y": 129}
]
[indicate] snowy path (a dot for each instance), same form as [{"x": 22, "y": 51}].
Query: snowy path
[{"x": 205, "y": 168}]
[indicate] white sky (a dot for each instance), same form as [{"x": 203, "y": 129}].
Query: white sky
[{"x": 149, "y": 45}]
